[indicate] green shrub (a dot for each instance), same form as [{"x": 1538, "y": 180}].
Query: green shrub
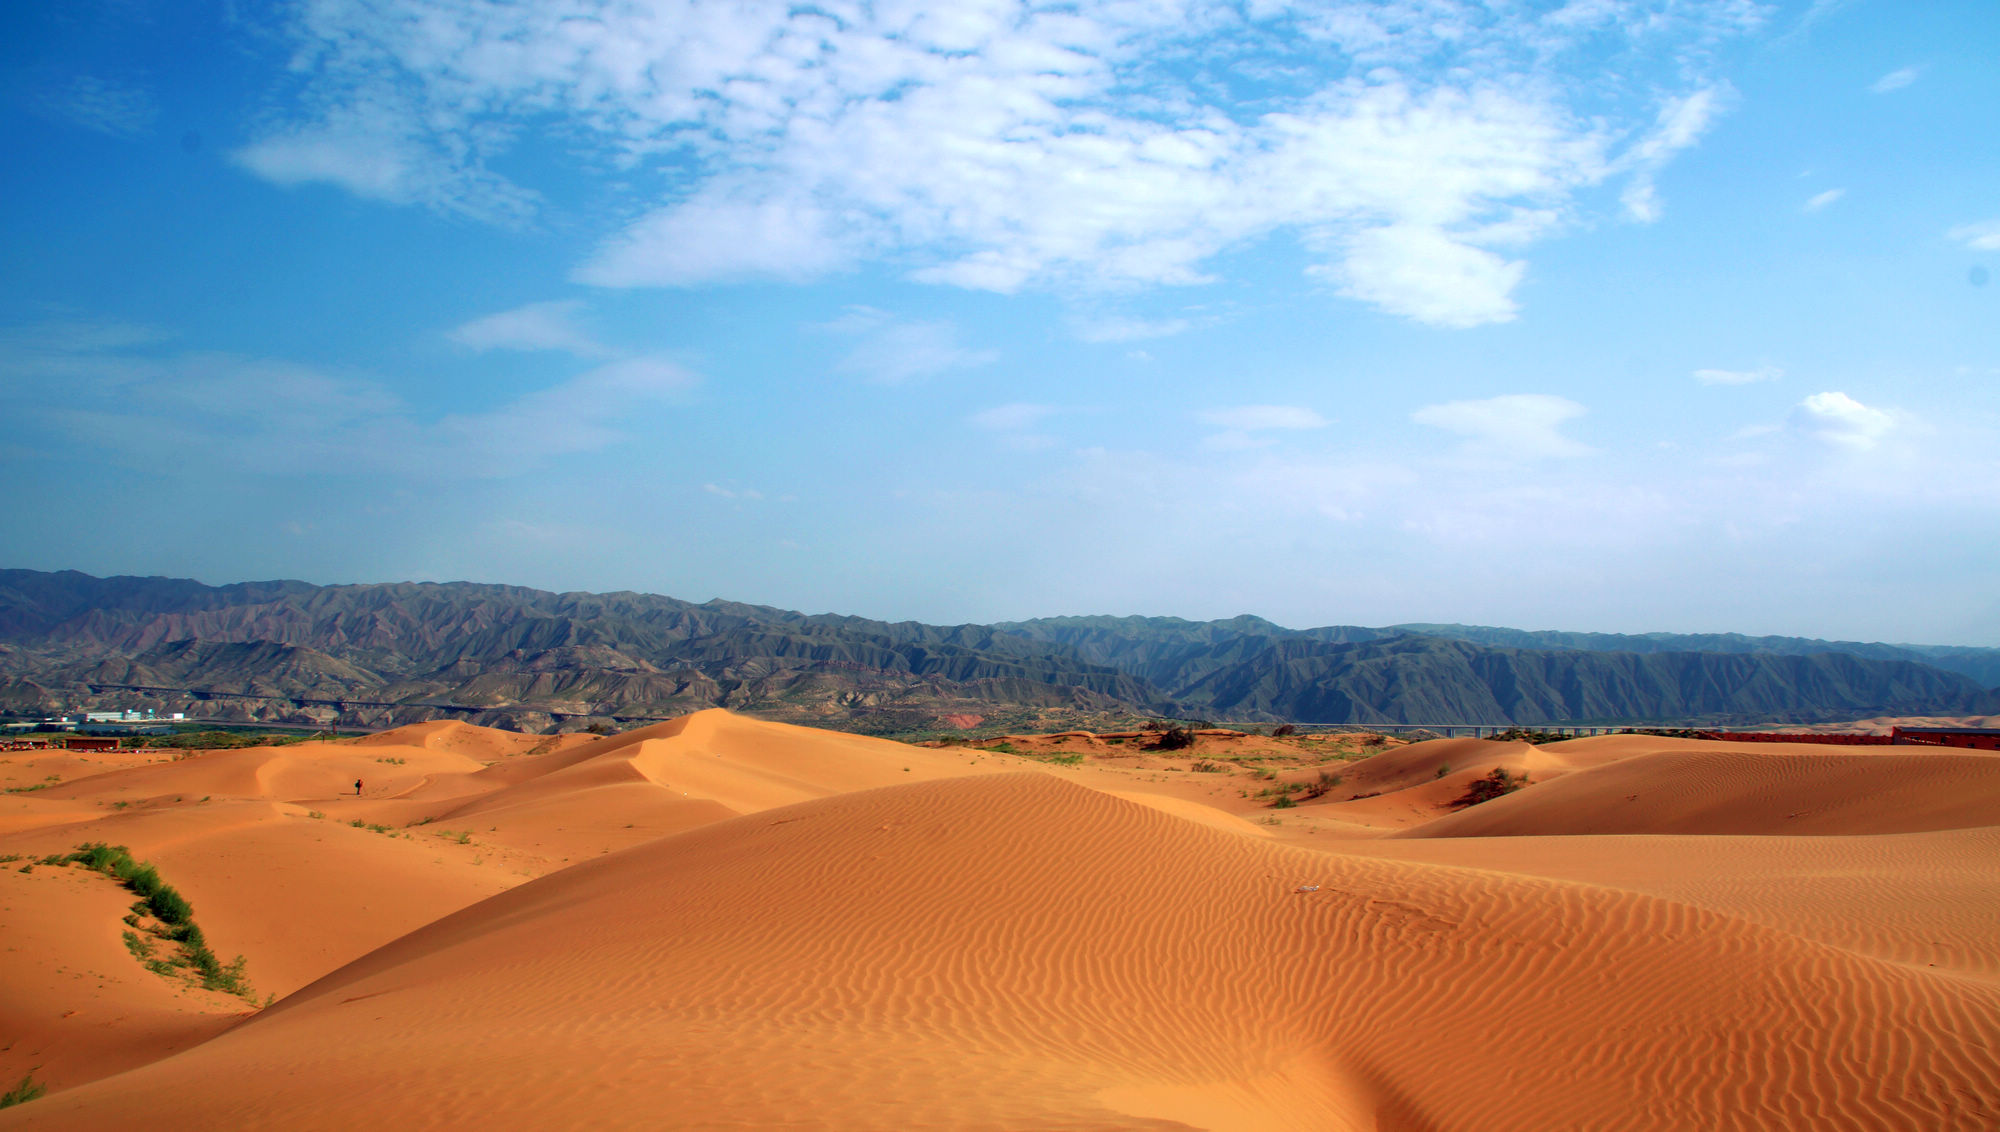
[
  {"x": 99, "y": 856},
  {"x": 22, "y": 1093},
  {"x": 175, "y": 914},
  {"x": 1496, "y": 783},
  {"x": 1284, "y": 802},
  {"x": 1322, "y": 784},
  {"x": 1175, "y": 739}
]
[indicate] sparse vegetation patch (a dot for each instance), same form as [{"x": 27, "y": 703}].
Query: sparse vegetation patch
[
  {"x": 1530, "y": 735},
  {"x": 215, "y": 740},
  {"x": 1496, "y": 783},
  {"x": 24, "y": 1092},
  {"x": 173, "y": 920}
]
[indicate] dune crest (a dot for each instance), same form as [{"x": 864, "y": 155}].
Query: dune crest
[
  {"x": 855, "y": 953},
  {"x": 762, "y": 925}
]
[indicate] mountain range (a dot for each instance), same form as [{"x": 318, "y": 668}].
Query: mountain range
[{"x": 509, "y": 656}]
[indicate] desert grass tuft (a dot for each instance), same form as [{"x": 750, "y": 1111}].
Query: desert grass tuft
[
  {"x": 175, "y": 915},
  {"x": 27, "y": 1090}
]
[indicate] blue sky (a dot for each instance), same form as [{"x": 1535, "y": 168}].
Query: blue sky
[{"x": 1600, "y": 315}]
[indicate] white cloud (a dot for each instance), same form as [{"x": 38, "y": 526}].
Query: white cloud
[
  {"x": 1517, "y": 424},
  {"x": 1680, "y": 124},
  {"x": 1738, "y": 376},
  {"x": 1842, "y": 421},
  {"x": 536, "y": 326},
  {"x": 1423, "y": 274},
  {"x": 1895, "y": 80},
  {"x": 750, "y": 494},
  {"x": 892, "y": 351},
  {"x": 1983, "y": 236},
  {"x": 1251, "y": 418},
  {"x": 370, "y": 150},
  {"x": 1002, "y": 146},
  {"x": 719, "y": 240},
  {"x": 1821, "y": 200}
]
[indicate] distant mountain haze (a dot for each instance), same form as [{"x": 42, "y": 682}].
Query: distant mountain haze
[{"x": 510, "y": 656}]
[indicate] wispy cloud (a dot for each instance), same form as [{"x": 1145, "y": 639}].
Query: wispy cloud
[
  {"x": 107, "y": 106},
  {"x": 1680, "y": 124},
  {"x": 1895, "y": 80},
  {"x": 1738, "y": 376},
  {"x": 1252, "y": 418},
  {"x": 273, "y": 417},
  {"x": 1525, "y": 425},
  {"x": 1821, "y": 200},
  {"x": 1984, "y": 236},
  {"x": 892, "y": 350},
  {"x": 536, "y": 326},
  {"x": 1004, "y": 146},
  {"x": 1243, "y": 425},
  {"x": 1114, "y": 328},
  {"x": 371, "y": 148},
  {"x": 1014, "y": 425},
  {"x": 1011, "y": 418},
  {"x": 720, "y": 237}
]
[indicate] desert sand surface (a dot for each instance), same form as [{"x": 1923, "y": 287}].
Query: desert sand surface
[
  {"x": 1883, "y": 724},
  {"x": 722, "y": 923}
]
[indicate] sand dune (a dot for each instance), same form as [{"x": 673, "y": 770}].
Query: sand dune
[
  {"x": 841, "y": 963},
  {"x": 1921, "y": 899},
  {"x": 1409, "y": 786},
  {"x": 1779, "y": 789},
  {"x": 764, "y": 926},
  {"x": 465, "y": 739}
]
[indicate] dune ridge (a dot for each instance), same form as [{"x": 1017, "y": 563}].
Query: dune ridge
[
  {"x": 1787, "y": 789},
  {"x": 851, "y": 955},
  {"x": 844, "y": 932}
]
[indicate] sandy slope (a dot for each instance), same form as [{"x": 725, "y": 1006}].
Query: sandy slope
[
  {"x": 1782, "y": 789},
  {"x": 1923, "y": 899},
  {"x": 841, "y": 963},
  {"x": 288, "y": 868},
  {"x": 765, "y": 926},
  {"x": 74, "y": 1005}
]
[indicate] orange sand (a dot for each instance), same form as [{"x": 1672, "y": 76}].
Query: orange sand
[{"x": 762, "y": 926}]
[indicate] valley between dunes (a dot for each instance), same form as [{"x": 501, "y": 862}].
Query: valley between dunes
[{"x": 722, "y": 923}]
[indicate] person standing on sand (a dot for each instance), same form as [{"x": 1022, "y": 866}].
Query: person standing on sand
[{"x": 357, "y": 788}]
